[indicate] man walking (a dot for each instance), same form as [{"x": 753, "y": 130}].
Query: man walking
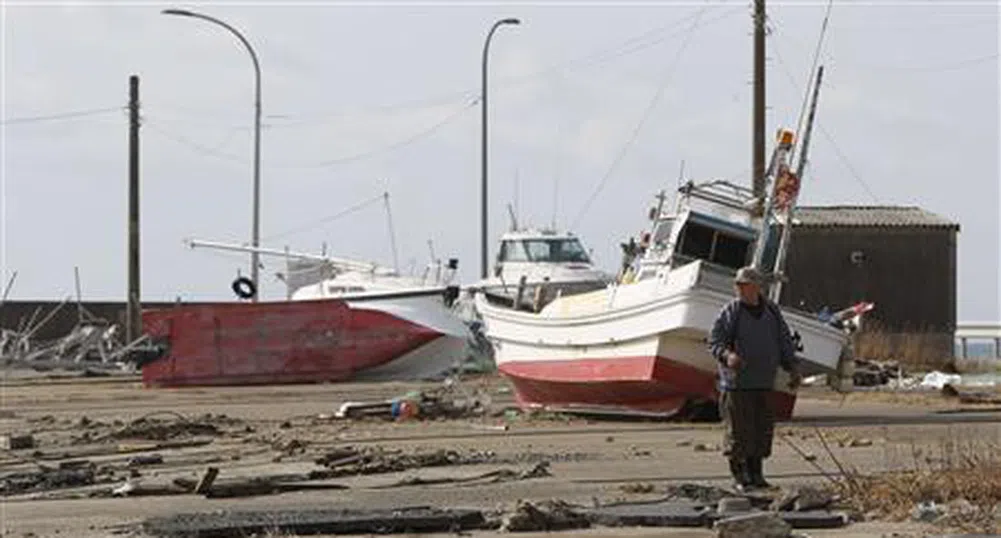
[{"x": 750, "y": 340}]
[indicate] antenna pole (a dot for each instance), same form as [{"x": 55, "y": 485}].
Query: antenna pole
[{"x": 392, "y": 232}]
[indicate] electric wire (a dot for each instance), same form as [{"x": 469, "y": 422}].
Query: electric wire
[{"x": 668, "y": 76}]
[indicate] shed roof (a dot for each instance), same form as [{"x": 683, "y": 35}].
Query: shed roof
[{"x": 870, "y": 216}]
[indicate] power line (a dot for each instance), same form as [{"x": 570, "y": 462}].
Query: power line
[
  {"x": 837, "y": 149},
  {"x": 314, "y": 224},
  {"x": 846, "y": 162},
  {"x": 211, "y": 152},
  {"x": 61, "y": 115},
  {"x": 396, "y": 145},
  {"x": 195, "y": 146},
  {"x": 647, "y": 114},
  {"x": 624, "y": 48}
]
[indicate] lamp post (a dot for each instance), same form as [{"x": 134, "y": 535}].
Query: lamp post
[
  {"x": 256, "y": 233},
  {"x": 483, "y": 149}
]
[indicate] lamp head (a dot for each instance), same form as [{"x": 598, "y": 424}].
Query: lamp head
[{"x": 181, "y": 12}]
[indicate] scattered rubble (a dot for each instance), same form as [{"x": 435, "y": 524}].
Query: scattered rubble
[
  {"x": 291, "y": 522},
  {"x": 66, "y": 475},
  {"x": 448, "y": 402},
  {"x": 756, "y": 525},
  {"x": 16, "y": 442},
  {"x": 875, "y": 373},
  {"x": 803, "y": 499},
  {"x": 93, "y": 346},
  {"x": 367, "y": 460},
  {"x": 546, "y": 516}
]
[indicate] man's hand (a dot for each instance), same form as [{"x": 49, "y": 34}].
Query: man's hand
[
  {"x": 795, "y": 380},
  {"x": 733, "y": 360}
]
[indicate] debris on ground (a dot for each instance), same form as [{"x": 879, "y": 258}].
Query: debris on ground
[
  {"x": 973, "y": 398},
  {"x": 335, "y": 521},
  {"x": 553, "y": 515},
  {"x": 16, "y": 442},
  {"x": 697, "y": 492},
  {"x": 875, "y": 373},
  {"x": 804, "y": 498},
  {"x": 448, "y": 402},
  {"x": 67, "y": 475},
  {"x": 961, "y": 494},
  {"x": 367, "y": 460},
  {"x": 92, "y": 347},
  {"x": 755, "y": 525},
  {"x": 155, "y": 429},
  {"x": 539, "y": 470}
]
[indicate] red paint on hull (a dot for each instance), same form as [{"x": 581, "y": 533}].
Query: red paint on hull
[
  {"x": 643, "y": 384},
  {"x": 278, "y": 342}
]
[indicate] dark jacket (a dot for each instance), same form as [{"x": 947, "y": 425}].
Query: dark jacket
[{"x": 760, "y": 358}]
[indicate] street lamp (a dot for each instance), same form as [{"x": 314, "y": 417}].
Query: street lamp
[
  {"x": 257, "y": 138},
  {"x": 483, "y": 149}
]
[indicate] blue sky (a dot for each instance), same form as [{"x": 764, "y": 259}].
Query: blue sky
[{"x": 359, "y": 99}]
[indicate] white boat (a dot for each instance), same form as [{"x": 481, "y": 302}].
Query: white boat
[
  {"x": 640, "y": 345},
  {"x": 534, "y": 266}
]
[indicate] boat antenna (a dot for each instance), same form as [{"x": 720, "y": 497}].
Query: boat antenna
[
  {"x": 813, "y": 69},
  {"x": 681, "y": 179},
  {"x": 431, "y": 249},
  {"x": 392, "y": 233},
  {"x": 514, "y": 218}
]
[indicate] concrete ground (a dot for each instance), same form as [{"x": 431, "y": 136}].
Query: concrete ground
[{"x": 590, "y": 460}]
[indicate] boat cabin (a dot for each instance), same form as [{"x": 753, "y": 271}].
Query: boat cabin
[
  {"x": 541, "y": 252},
  {"x": 556, "y": 262},
  {"x": 711, "y": 222}
]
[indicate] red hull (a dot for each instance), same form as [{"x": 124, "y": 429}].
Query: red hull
[
  {"x": 279, "y": 342},
  {"x": 639, "y": 384}
]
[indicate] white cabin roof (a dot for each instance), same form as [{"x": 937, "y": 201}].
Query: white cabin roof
[{"x": 521, "y": 235}]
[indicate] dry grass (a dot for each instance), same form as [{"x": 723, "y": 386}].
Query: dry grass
[
  {"x": 963, "y": 477},
  {"x": 919, "y": 350}
]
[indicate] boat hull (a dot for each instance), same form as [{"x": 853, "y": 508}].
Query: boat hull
[
  {"x": 303, "y": 341},
  {"x": 640, "y": 347}
]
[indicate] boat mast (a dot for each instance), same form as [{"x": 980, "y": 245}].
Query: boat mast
[
  {"x": 392, "y": 232},
  {"x": 783, "y": 247}
]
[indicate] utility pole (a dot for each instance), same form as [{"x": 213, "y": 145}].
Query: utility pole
[
  {"x": 133, "y": 308},
  {"x": 758, "y": 122}
]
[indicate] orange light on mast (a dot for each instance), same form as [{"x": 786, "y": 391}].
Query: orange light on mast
[{"x": 786, "y": 137}]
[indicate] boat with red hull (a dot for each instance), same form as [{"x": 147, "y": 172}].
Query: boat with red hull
[
  {"x": 360, "y": 322},
  {"x": 298, "y": 342}
]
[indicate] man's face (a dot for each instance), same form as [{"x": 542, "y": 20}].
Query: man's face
[{"x": 748, "y": 292}]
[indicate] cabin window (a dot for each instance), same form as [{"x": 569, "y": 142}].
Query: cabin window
[
  {"x": 556, "y": 251},
  {"x": 697, "y": 241},
  {"x": 662, "y": 233},
  {"x": 513, "y": 251},
  {"x": 730, "y": 251},
  {"x": 705, "y": 243}
]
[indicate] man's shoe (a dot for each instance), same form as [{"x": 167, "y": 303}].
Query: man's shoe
[
  {"x": 741, "y": 478},
  {"x": 755, "y": 474}
]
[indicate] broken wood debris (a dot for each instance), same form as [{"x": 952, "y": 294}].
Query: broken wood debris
[
  {"x": 540, "y": 470},
  {"x": 334, "y": 521}
]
